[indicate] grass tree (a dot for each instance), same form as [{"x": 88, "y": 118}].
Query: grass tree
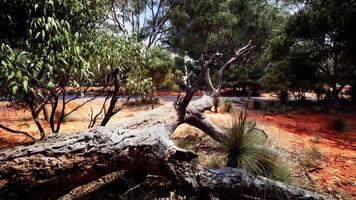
[{"x": 247, "y": 148}]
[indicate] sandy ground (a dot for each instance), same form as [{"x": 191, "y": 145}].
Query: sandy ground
[{"x": 293, "y": 134}]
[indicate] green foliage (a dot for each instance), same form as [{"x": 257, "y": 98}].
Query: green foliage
[
  {"x": 17, "y": 16},
  {"x": 48, "y": 55},
  {"x": 110, "y": 52},
  {"x": 203, "y": 27},
  {"x": 163, "y": 69},
  {"x": 247, "y": 148},
  {"x": 338, "y": 124},
  {"x": 138, "y": 86},
  {"x": 292, "y": 66},
  {"x": 315, "y": 46}
]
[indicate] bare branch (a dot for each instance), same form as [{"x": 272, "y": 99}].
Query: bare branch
[
  {"x": 123, "y": 105},
  {"x": 93, "y": 120},
  {"x": 182, "y": 104},
  {"x": 81, "y": 105},
  {"x": 16, "y": 131},
  {"x": 232, "y": 60}
]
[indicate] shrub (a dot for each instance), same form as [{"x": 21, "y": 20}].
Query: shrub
[
  {"x": 338, "y": 125},
  {"x": 145, "y": 100},
  {"x": 247, "y": 148},
  {"x": 283, "y": 96},
  {"x": 319, "y": 91}
]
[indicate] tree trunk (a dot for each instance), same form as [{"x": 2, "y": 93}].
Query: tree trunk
[
  {"x": 114, "y": 98},
  {"x": 45, "y": 113}
]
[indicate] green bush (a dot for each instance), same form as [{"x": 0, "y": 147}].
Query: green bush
[
  {"x": 339, "y": 125},
  {"x": 247, "y": 148}
]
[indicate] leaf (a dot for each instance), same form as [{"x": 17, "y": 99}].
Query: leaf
[
  {"x": 50, "y": 84},
  {"x": 15, "y": 89},
  {"x": 63, "y": 60},
  {"x": 43, "y": 35},
  {"x": 25, "y": 85}
]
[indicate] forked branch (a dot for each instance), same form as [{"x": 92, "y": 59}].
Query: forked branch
[{"x": 193, "y": 112}]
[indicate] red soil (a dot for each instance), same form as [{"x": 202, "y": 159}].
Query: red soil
[{"x": 298, "y": 131}]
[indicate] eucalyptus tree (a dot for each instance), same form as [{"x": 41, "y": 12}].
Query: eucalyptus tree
[
  {"x": 328, "y": 29},
  {"x": 204, "y": 27},
  {"x": 42, "y": 54},
  {"x": 315, "y": 47}
]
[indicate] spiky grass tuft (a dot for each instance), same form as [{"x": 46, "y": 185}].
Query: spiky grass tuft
[{"x": 247, "y": 148}]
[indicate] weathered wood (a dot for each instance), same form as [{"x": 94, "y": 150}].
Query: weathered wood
[
  {"x": 232, "y": 183},
  {"x": 84, "y": 190}
]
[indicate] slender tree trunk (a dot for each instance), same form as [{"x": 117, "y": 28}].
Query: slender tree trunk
[
  {"x": 38, "y": 124},
  {"x": 115, "y": 97},
  {"x": 54, "y": 105},
  {"x": 62, "y": 114},
  {"x": 45, "y": 113}
]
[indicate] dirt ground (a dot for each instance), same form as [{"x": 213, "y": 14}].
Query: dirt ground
[
  {"x": 20, "y": 119},
  {"x": 294, "y": 134}
]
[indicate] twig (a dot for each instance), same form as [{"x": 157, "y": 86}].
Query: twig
[
  {"x": 308, "y": 176},
  {"x": 16, "y": 131},
  {"x": 133, "y": 188}
]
